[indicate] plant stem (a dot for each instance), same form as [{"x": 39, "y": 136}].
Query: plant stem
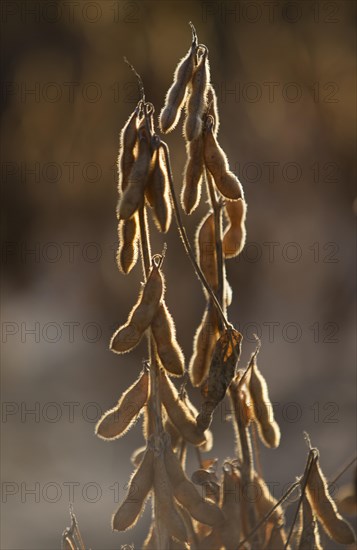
[
  {"x": 185, "y": 240},
  {"x": 154, "y": 404},
  {"x": 217, "y": 212}
]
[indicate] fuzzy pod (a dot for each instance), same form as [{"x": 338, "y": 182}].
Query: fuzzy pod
[
  {"x": 235, "y": 234},
  {"x": 129, "y": 335},
  {"x": 197, "y": 99},
  {"x": 309, "y": 537},
  {"x": 128, "y": 247},
  {"x": 208, "y": 443},
  {"x": 216, "y": 162},
  {"x": 178, "y": 412},
  {"x": 167, "y": 347},
  {"x": 137, "y": 456},
  {"x": 177, "y": 93},
  {"x": 166, "y": 512},
  {"x": 140, "y": 485},
  {"x": 192, "y": 175},
  {"x": 127, "y": 143},
  {"x": 222, "y": 370},
  {"x": 231, "y": 507},
  {"x": 206, "y": 249},
  {"x": 133, "y": 195},
  {"x": 277, "y": 539},
  {"x": 157, "y": 193},
  {"x": 187, "y": 495},
  {"x": 204, "y": 342},
  {"x": 268, "y": 429},
  {"x": 150, "y": 541},
  {"x": 325, "y": 509},
  {"x": 265, "y": 501},
  {"x": 118, "y": 420},
  {"x": 213, "y": 108}
]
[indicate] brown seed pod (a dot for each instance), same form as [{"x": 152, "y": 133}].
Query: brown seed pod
[
  {"x": 178, "y": 545},
  {"x": 208, "y": 444},
  {"x": 128, "y": 139},
  {"x": 164, "y": 332},
  {"x": 197, "y": 99},
  {"x": 140, "y": 485},
  {"x": 157, "y": 193},
  {"x": 213, "y": 108},
  {"x": 231, "y": 505},
  {"x": 222, "y": 370},
  {"x": 192, "y": 175},
  {"x": 128, "y": 247},
  {"x": 205, "y": 339},
  {"x": 277, "y": 539},
  {"x": 206, "y": 249},
  {"x": 137, "y": 456},
  {"x": 265, "y": 501},
  {"x": 129, "y": 335},
  {"x": 117, "y": 421},
  {"x": 133, "y": 196},
  {"x": 235, "y": 234},
  {"x": 346, "y": 500},
  {"x": 186, "y": 493},
  {"x": 166, "y": 512},
  {"x": 325, "y": 508},
  {"x": 310, "y": 538},
  {"x": 268, "y": 429},
  {"x": 216, "y": 162},
  {"x": 209, "y": 481},
  {"x": 177, "y": 93},
  {"x": 178, "y": 412},
  {"x": 150, "y": 541}
]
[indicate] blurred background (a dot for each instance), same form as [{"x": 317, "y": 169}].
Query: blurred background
[{"x": 284, "y": 73}]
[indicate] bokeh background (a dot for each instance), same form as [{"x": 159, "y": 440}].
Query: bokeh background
[{"x": 284, "y": 73}]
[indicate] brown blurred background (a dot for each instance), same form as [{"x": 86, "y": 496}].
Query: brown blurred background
[{"x": 284, "y": 73}]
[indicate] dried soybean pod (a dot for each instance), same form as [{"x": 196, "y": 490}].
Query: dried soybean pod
[
  {"x": 175, "y": 435},
  {"x": 277, "y": 539},
  {"x": 157, "y": 193},
  {"x": 164, "y": 332},
  {"x": 177, "y": 545},
  {"x": 128, "y": 139},
  {"x": 235, "y": 234},
  {"x": 325, "y": 508},
  {"x": 187, "y": 495},
  {"x": 208, "y": 444},
  {"x": 206, "y": 249},
  {"x": 213, "y": 108},
  {"x": 216, "y": 162},
  {"x": 137, "y": 456},
  {"x": 265, "y": 501},
  {"x": 128, "y": 248},
  {"x": 192, "y": 175},
  {"x": 310, "y": 538},
  {"x": 205, "y": 339},
  {"x": 140, "y": 485},
  {"x": 268, "y": 429},
  {"x": 133, "y": 196},
  {"x": 117, "y": 421},
  {"x": 178, "y": 412},
  {"x": 166, "y": 512},
  {"x": 150, "y": 541},
  {"x": 197, "y": 99},
  {"x": 140, "y": 317},
  {"x": 231, "y": 505},
  {"x": 222, "y": 370},
  {"x": 177, "y": 93}
]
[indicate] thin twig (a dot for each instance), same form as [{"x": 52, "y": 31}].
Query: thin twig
[{"x": 140, "y": 82}]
